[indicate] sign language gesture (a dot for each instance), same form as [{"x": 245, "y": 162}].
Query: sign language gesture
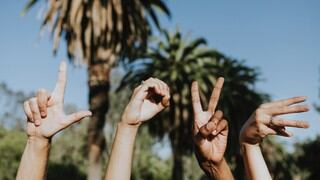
[
  {"x": 148, "y": 99},
  {"x": 264, "y": 122},
  {"x": 45, "y": 112},
  {"x": 210, "y": 129}
]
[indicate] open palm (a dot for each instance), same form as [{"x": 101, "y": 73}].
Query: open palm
[
  {"x": 45, "y": 112},
  {"x": 210, "y": 129}
]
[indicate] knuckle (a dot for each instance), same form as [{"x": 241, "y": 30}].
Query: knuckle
[
  {"x": 262, "y": 106},
  {"x": 26, "y": 103},
  {"x": 136, "y": 89},
  {"x": 219, "y": 113},
  {"x": 41, "y": 91},
  {"x": 259, "y": 112},
  {"x": 281, "y": 122},
  {"x": 33, "y": 100},
  {"x": 282, "y": 109},
  {"x": 260, "y": 129},
  {"x": 263, "y": 135}
]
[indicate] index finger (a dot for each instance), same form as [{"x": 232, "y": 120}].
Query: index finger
[
  {"x": 285, "y": 102},
  {"x": 215, "y": 94},
  {"x": 196, "y": 103},
  {"x": 60, "y": 87}
]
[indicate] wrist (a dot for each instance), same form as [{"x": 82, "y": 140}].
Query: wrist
[
  {"x": 127, "y": 130},
  {"x": 39, "y": 142},
  {"x": 214, "y": 170},
  {"x": 246, "y": 147},
  {"x": 125, "y": 122}
]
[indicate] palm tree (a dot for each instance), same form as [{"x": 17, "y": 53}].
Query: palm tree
[
  {"x": 98, "y": 33},
  {"x": 178, "y": 62}
]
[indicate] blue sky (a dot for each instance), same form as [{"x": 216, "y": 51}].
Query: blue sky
[{"x": 282, "y": 38}]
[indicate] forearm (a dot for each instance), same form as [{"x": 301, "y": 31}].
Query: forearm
[
  {"x": 217, "y": 171},
  {"x": 34, "y": 160},
  {"x": 255, "y": 165},
  {"x": 120, "y": 161}
]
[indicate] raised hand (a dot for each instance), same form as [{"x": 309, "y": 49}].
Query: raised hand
[
  {"x": 148, "y": 99},
  {"x": 264, "y": 120},
  {"x": 45, "y": 112},
  {"x": 210, "y": 129}
]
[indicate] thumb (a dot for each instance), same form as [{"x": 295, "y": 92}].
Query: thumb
[{"x": 75, "y": 117}]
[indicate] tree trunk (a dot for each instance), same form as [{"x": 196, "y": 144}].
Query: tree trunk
[
  {"x": 177, "y": 171},
  {"x": 99, "y": 85}
]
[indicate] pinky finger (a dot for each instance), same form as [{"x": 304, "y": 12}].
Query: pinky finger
[
  {"x": 28, "y": 111},
  {"x": 283, "y": 132}
]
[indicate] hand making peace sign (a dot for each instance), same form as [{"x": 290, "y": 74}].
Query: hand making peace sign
[{"x": 210, "y": 129}]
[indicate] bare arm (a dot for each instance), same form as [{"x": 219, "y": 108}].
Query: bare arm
[
  {"x": 263, "y": 122},
  {"x": 219, "y": 170},
  {"x": 256, "y": 167},
  {"x": 142, "y": 107},
  {"x": 46, "y": 117},
  {"x": 35, "y": 155},
  {"x": 120, "y": 161},
  {"x": 210, "y": 131}
]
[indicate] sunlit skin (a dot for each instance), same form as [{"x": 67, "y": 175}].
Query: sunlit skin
[
  {"x": 45, "y": 118},
  {"x": 264, "y": 122},
  {"x": 148, "y": 99},
  {"x": 210, "y": 132}
]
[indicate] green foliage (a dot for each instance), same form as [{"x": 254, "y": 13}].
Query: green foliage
[
  {"x": 64, "y": 171},
  {"x": 280, "y": 163},
  {"x": 147, "y": 164},
  {"x": 12, "y": 143},
  {"x": 307, "y": 158},
  {"x": 68, "y": 153}
]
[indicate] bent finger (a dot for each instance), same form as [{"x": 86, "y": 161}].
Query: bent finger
[
  {"x": 42, "y": 99},
  {"x": 222, "y": 128},
  {"x": 35, "y": 111},
  {"x": 27, "y": 110},
  {"x": 207, "y": 129},
  {"x": 283, "y": 132}
]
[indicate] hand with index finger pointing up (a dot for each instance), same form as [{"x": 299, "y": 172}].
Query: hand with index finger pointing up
[{"x": 45, "y": 112}]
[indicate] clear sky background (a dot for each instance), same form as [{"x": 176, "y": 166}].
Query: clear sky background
[{"x": 282, "y": 38}]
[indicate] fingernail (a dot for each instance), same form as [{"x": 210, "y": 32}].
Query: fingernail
[
  {"x": 214, "y": 132},
  {"x": 43, "y": 113},
  {"x": 37, "y": 122}
]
